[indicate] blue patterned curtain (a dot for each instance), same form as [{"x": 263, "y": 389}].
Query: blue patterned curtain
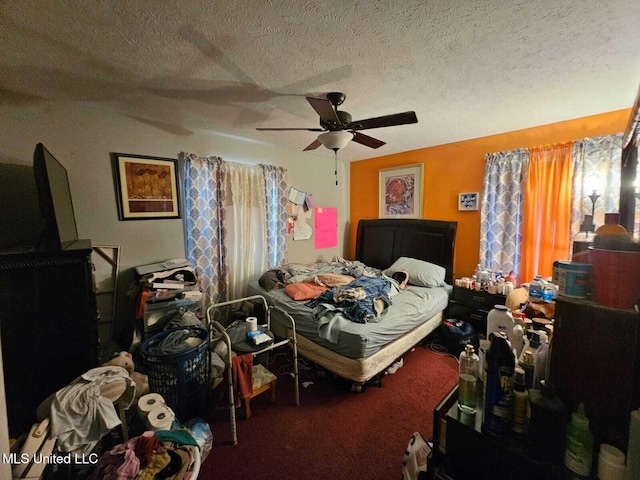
[
  {"x": 276, "y": 187},
  {"x": 205, "y": 228},
  {"x": 596, "y": 166},
  {"x": 501, "y": 214},
  {"x": 235, "y": 223}
]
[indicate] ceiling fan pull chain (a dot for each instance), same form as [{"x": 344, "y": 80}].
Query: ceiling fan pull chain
[{"x": 335, "y": 171}]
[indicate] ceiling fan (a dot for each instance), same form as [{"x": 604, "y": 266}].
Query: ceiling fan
[{"x": 338, "y": 127}]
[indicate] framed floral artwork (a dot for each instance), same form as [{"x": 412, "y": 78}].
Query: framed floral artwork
[
  {"x": 147, "y": 187},
  {"x": 400, "y": 193}
]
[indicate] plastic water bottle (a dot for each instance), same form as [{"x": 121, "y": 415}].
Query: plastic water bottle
[
  {"x": 468, "y": 382},
  {"x": 536, "y": 289},
  {"x": 478, "y": 271}
]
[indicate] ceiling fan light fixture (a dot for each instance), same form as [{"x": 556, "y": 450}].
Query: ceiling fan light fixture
[{"x": 335, "y": 140}]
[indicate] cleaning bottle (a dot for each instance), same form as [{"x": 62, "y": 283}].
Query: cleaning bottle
[
  {"x": 578, "y": 455},
  {"x": 499, "y": 319},
  {"x": 528, "y": 356},
  {"x": 517, "y": 339},
  {"x": 526, "y": 363},
  {"x": 467, "y": 387},
  {"x": 546, "y": 431},
  {"x": 498, "y": 403},
  {"x": 541, "y": 360}
]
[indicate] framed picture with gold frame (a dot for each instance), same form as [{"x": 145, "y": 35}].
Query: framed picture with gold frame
[
  {"x": 400, "y": 194},
  {"x": 146, "y": 187}
]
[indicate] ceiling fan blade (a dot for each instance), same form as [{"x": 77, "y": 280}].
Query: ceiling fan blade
[
  {"x": 284, "y": 129},
  {"x": 313, "y": 145},
  {"x": 323, "y": 107},
  {"x": 367, "y": 140},
  {"x": 385, "y": 121}
]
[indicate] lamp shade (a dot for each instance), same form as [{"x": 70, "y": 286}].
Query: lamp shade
[{"x": 335, "y": 140}]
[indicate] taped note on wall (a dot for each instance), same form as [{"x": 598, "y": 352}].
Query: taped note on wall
[{"x": 326, "y": 227}]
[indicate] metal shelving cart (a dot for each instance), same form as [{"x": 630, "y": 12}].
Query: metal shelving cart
[{"x": 218, "y": 332}]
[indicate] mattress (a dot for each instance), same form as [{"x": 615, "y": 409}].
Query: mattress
[{"x": 410, "y": 308}]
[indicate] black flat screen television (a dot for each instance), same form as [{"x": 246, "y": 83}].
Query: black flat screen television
[{"x": 54, "y": 195}]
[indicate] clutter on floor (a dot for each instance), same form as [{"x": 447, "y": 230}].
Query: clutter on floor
[
  {"x": 393, "y": 368},
  {"x": 84, "y": 429}
]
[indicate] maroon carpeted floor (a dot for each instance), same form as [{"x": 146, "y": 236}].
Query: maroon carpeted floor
[{"x": 334, "y": 433}]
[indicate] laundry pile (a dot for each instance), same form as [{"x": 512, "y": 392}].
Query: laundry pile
[
  {"x": 162, "y": 455},
  {"x": 80, "y": 414}
]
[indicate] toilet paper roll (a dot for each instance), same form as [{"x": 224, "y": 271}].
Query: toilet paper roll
[
  {"x": 150, "y": 401},
  {"x": 252, "y": 324},
  {"x": 160, "y": 418}
]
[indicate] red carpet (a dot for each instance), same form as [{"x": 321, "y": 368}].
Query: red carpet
[{"x": 334, "y": 433}]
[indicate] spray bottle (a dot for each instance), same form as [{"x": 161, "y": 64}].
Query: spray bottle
[{"x": 498, "y": 404}]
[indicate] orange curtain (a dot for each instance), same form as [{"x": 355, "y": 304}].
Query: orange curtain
[{"x": 546, "y": 229}]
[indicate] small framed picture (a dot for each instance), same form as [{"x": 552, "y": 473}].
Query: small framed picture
[
  {"x": 146, "y": 187},
  {"x": 468, "y": 201},
  {"x": 400, "y": 194}
]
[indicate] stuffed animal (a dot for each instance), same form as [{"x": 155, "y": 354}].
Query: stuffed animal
[{"x": 124, "y": 359}]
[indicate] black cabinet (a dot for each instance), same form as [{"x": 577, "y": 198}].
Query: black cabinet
[
  {"x": 463, "y": 450},
  {"x": 595, "y": 359},
  {"x": 48, "y": 325},
  {"x": 473, "y": 306}
]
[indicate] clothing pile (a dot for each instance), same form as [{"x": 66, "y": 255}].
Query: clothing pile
[
  {"x": 361, "y": 301},
  {"x": 177, "y": 341},
  {"x": 80, "y": 415},
  {"x": 163, "y": 455}
]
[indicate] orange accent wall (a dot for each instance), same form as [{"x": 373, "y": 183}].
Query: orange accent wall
[{"x": 459, "y": 167}]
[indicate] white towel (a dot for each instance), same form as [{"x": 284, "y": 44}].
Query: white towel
[{"x": 79, "y": 415}]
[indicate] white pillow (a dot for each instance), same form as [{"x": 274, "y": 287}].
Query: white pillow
[{"x": 421, "y": 273}]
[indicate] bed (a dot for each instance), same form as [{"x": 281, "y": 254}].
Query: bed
[{"x": 364, "y": 351}]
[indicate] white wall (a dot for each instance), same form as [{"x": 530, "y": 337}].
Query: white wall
[{"x": 81, "y": 138}]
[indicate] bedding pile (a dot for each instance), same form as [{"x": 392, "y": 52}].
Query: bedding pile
[
  {"x": 351, "y": 288},
  {"x": 338, "y": 291},
  {"x": 312, "y": 293}
]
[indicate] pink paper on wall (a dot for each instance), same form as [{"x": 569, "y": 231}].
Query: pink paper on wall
[{"x": 326, "y": 235}]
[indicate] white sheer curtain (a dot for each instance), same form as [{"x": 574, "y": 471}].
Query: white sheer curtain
[
  {"x": 501, "y": 213},
  {"x": 235, "y": 223},
  {"x": 245, "y": 205}
]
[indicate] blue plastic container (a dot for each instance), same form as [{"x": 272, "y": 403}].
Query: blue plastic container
[{"x": 574, "y": 279}]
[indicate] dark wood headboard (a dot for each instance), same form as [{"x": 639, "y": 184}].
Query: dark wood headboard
[{"x": 381, "y": 242}]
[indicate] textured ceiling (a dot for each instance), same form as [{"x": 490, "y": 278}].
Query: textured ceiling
[{"x": 467, "y": 68}]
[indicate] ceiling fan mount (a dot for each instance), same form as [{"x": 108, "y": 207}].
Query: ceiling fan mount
[
  {"x": 344, "y": 119},
  {"x": 339, "y": 128},
  {"x": 336, "y": 98}
]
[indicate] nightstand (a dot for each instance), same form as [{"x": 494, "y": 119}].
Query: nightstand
[{"x": 473, "y": 306}]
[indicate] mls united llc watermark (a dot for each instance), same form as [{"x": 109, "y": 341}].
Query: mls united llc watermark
[{"x": 51, "y": 459}]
